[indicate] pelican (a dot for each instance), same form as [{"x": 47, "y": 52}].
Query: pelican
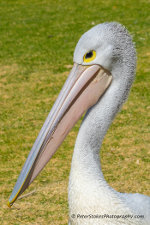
[{"x": 98, "y": 84}]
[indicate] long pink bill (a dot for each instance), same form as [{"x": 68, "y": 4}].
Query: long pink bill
[{"x": 83, "y": 88}]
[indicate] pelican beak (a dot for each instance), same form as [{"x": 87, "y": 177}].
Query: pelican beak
[{"x": 83, "y": 88}]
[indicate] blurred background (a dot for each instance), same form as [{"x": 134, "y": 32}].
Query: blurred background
[{"x": 37, "y": 41}]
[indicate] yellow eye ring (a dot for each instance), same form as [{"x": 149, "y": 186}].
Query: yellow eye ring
[{"x": 89, "y": 56}]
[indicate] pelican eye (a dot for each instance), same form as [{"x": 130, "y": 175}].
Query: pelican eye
[{"x": 89, "y": 56}]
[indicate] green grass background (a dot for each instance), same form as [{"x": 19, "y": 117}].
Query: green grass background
[{"x": 37, "y": 41}]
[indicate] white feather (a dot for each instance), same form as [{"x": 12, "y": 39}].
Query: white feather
[{"x": 89, "y": 193}]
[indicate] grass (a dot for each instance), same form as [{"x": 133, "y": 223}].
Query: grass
[{"x": 37, "y": 40}]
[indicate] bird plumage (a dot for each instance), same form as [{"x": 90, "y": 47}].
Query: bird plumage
[{"x": 89, "y": 193}]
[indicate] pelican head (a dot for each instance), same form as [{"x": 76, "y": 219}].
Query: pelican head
[{"x": 97, "y": 55}]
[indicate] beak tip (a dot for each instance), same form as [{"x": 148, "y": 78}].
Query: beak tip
[{"x": 9, "y": 204}]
